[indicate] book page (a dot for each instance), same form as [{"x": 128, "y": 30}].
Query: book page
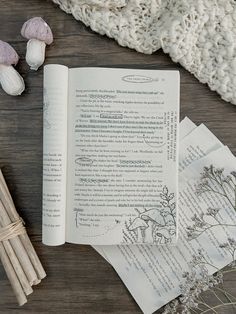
[
  {"x": 186, "y": 126},
  {"x": 122, "y": 154},
  {"x": 196, "y": 145},
  {"x": 192, "y": 148},
  {"x": 158, "y": 270},
  {"x": 54, "y": 153}
]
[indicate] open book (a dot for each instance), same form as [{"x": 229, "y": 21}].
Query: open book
[{"x": 110, "y": 156}]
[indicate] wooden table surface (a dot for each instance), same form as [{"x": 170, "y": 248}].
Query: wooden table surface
[{"x": 79, "y": 280}]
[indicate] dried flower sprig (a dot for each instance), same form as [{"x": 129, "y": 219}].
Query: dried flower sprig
[
  {"x": 196, "y": 284},
  {"x": 198, "y": 281},
  {"x": 205, "y": 222},
  {"x": 230, "y": 246},
  {"x": 213, "y": 181}
]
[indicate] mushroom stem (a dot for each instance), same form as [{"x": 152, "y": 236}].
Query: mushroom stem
[
  {"x": 143, "y": 233},
  {"x": 139, "y": 235},
  {"x": 11, "y": 81},
  {"x": 35, "y": 53}
]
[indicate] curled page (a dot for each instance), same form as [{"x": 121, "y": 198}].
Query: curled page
[{"x": 54, "y": 153}]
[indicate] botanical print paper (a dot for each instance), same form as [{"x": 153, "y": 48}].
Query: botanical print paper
[
  {"x": 186, "y": 126},
  {"x": 207, "y": 223}
]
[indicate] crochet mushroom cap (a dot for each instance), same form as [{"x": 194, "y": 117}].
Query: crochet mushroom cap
[
  {"x": 8, "y": 55},
  {"x": 37, "y": 28}
]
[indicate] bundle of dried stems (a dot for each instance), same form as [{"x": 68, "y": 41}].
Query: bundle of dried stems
[{"x": 17, "y": 254}]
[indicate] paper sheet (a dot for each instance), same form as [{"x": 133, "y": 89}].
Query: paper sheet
[
  {"x": 153, "y": 274},
  {"x": 54, "y": 153},
  {"x": 122, "y": 154}
]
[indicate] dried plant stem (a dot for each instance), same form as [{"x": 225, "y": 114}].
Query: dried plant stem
[
  {"x": 217, "y": 297},
  {"x": 18, "y": 248},
  {"x": 205, "y": 304},
  {"x": 226, "y": 195},
  {"x": 16, "y": 286},
  {"x": 27, "y": 245},
  {"x": 17, "y": 267},
  {"x": 17, "y": 254},
  {"x": 217, "y": 307},
  {"x": 229, "y": 271},
  {"x": 201, "y": 301},
  {"x": 227, "y": 294}
]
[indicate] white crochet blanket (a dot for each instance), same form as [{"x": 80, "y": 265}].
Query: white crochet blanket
[{"x": 199, "y": 34}]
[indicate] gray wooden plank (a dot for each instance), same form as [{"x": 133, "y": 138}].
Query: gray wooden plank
[{"x": 79, "y": 280}]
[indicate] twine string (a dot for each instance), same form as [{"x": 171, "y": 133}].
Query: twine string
[{"x": 12, "y": 230}]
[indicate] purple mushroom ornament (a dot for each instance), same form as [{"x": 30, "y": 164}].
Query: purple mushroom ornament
[
  {"x": 11, "y": 81},
  {"x": 39, "y": 34}
]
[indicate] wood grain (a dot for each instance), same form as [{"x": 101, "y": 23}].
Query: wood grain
[{"x": 79, "y": 280}]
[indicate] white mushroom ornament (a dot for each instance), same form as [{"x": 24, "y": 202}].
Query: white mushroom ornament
[
  {"x": 39, "y": 34},
  {"x": 11, "y": 81}
]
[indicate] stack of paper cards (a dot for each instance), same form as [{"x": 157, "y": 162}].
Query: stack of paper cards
[{"x": 207, "y": 219}]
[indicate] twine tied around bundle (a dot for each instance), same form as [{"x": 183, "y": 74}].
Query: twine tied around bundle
[{"x": 12, "y": 230}]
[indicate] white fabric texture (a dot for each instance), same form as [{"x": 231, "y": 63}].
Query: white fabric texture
[{"x": 199, "y": 34}]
